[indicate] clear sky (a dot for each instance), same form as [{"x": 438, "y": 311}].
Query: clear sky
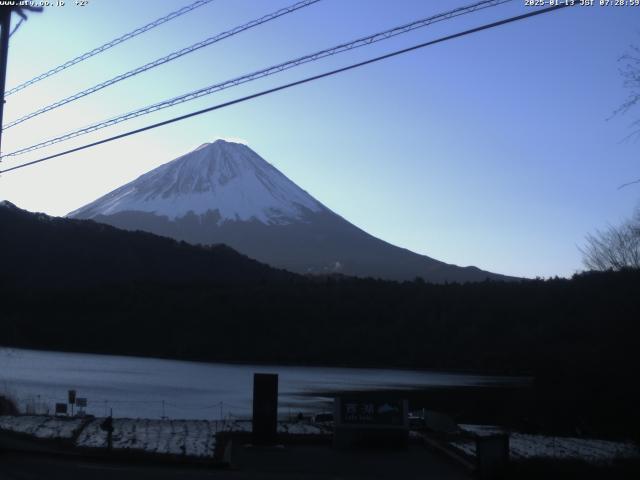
[{"x": 492, "y": 150}]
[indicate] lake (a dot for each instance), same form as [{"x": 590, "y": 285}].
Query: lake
[{"x": 152, "y": 388}]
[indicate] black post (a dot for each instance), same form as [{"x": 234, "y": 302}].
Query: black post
[
  {"x": 107, "y": 426},
  {"x": 5, "y": 19},
  {"x": 110, "y": 439},
  {"x": 265, "y": 408}
]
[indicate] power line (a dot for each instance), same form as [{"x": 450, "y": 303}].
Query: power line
[
  {"x": 360, "y": 42},
  {"x": 167, "y": 58},
  {"x": 108, "y": 45},
  {"x": 293, "y": 63},
  {"x": 293, "y": 84}
]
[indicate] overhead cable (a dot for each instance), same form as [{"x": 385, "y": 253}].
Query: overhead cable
[
  {"x": 292, "y": 84},
  {"x": 165, "y": 59},
  {"x": 360, "y": 42},
  {"x": 108, "y": 45}
]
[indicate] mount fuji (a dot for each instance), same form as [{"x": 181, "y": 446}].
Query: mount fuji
[{"x": 223, "y": 192}]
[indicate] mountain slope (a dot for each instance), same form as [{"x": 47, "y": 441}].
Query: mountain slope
[
  {"x": 43, "y": 251},
  {"x": 228, "y": 177},
  {"x": 224, "y": 192}
]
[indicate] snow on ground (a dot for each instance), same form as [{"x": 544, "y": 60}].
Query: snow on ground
[
  {"x": 294, "y": 428},
  {"x": 42, "y": 426},
  {"x": 237, "y": 425},
  {"x": 525, "y": 446},
  {"x": 300, "y": 428},
  {"x": 195, "y": 438},
  {"x": 482, "y": 429}
]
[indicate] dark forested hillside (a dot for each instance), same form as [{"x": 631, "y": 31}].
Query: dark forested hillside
[
  {"x": 82, "y": 286},
  {"x": 213, "y": 303},
  {"x": 39, "y": 250}
]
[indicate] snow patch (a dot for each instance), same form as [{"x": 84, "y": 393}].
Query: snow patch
[
  {"x": 41, "y": 426},
  {"x": 526, "y": 446},
  {"x": 193, "y": 438},
  {"x": 228, "y": 178}
]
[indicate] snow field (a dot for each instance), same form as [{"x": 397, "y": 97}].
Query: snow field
[
  {"x": 41, "y": 426},
  {"x": 526, "y": 446},
  {"x": 193, "y": 438}
]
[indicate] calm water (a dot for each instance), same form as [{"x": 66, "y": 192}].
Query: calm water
[{"x": 147, "y": 387}]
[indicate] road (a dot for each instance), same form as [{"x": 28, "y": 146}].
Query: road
[{"x": 312, "y": 463}]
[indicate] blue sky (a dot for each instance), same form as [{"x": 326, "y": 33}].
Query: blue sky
[{"x": 491, "y": 150}]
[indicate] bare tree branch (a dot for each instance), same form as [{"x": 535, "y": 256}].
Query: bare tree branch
[
  {"x": 615, "y": 248},
  {"x": 628, "y": 183}
]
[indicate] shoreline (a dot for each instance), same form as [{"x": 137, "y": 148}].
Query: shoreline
[{"x": 528, "y": 376}]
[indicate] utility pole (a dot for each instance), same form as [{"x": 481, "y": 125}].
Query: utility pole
[{"x": 5, "y": 24}]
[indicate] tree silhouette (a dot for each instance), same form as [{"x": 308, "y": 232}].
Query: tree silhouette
[
  {"x": 630, "y": 72},
  {"x": 615, "y": 248}
]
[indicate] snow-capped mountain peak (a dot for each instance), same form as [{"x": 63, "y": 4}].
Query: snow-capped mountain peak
[
  {"x": 223, "y": 192},
  {"x": 222, "y": 176}
]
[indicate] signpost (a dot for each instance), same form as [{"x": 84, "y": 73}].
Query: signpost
[
  {"x": 81, "y": 403},
  {"x": 372, "y": 412},
  {"x": 71, "y": 399},
  {"x": 371, "y": 421},
  {"x": 61, "y": 408}
]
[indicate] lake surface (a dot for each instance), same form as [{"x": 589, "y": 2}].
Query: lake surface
[{"x": 152, "y": 388}]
